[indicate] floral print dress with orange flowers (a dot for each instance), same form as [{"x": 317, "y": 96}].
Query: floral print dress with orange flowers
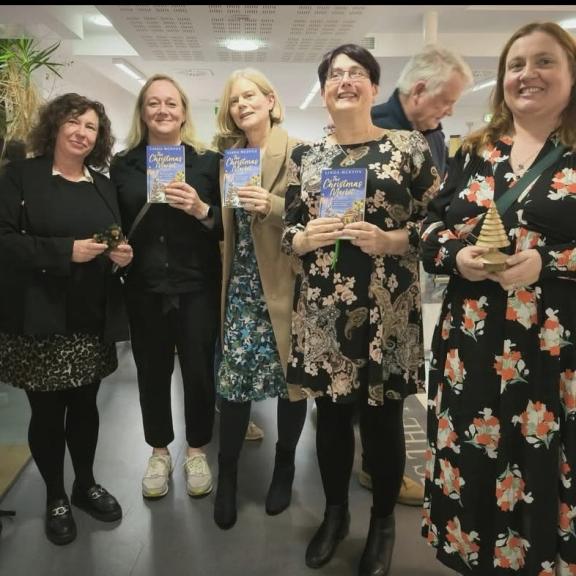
[
  {"x": 501, "y": 462},
  {"x": 356, "y": 326}
]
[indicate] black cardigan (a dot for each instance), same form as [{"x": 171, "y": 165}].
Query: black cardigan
[
  {"x": 39, "y": 283},
  {"x": 173, "y": 252}
]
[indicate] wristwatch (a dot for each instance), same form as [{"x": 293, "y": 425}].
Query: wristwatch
[{"x": 209, "y": 215}]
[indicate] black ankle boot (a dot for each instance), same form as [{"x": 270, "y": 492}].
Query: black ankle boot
[
  {"x": 225, "y": 503},
  {"x": 333, "y": 529},
  {"x": 377, "y": 555},
  {"x": 280, "y": 491}
]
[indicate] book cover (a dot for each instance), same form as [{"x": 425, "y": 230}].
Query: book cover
[
  {"x": 343, "y": 194},
  {"x": 241, "y": 168},
  {"x": 164, "y": 164}
]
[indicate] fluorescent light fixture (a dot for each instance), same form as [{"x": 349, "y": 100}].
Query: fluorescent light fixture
[
  {"x": 487, "y": 84},
  {"x": 312, "y": 93},
  {"x": 100, "y": 20},
  {"x": 568, "y": 23},
  {"x": 242, "y": 44},
  {"x": 130, "y": 70}
]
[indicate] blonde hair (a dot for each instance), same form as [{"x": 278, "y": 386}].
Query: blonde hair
[
  {"x": 139, "y": 131},
  {"x": 502, "y": 122},
  {"x": 229, "y": 135}
]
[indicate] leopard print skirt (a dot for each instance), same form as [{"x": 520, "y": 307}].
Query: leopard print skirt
[{"x": 56, "y": 362}]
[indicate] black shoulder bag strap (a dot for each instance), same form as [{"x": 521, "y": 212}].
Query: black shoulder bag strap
[{"x": 512, "y": 194}]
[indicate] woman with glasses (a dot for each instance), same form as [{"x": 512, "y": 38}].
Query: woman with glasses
[{"x": 356, "y": 324}]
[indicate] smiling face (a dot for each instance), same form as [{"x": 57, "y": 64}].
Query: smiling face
[
  {"x": 163, "y": 113},
  {"x": 348, "y": 87},
  {"x": 537, "y": 79},
  {"x": 249, "y": 107},
  {"x": 77, "y": 136}
]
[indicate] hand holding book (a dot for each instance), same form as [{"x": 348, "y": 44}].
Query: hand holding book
[
  {"x": 318, "y": 233},
  {"x": 254, "y": 199},
  {"x": 184, "y": 197},
  {"x": 377, "y": 242}
]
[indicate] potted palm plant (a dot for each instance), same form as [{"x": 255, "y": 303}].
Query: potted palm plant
[{"x": 19, "y": 95}]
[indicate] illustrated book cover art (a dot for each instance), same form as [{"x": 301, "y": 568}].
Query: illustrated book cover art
[
  {"x": 164, "y": 164},
  {"x": 241, "y": 168},
  {"x": 343, "y": 194}
]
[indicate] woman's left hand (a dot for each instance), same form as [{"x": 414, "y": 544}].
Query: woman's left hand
[
  {"x": 182, "y": 196},
  {"x": 375, "y": 241},
  {"x": 524, "y": 269},
  {"x": 121, "y": 255},
  {"x": 255, "y": 199}
]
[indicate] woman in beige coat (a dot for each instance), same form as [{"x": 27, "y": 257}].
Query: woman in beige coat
[{"x": 258, "y": 288}]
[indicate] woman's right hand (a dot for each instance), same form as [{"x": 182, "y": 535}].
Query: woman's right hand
[
  {"x": 470, "y": 265},
  {"x": 318, "y": 233},
  {"x": 86, "y": 250}
]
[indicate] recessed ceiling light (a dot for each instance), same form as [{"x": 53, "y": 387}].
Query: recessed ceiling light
[
  {"x": 568, "y": 24},
  {"x": 242, "y": 44},
  {"x": 100, "y": 20}
]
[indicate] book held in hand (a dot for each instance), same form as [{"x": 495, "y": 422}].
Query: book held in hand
[
  {"x": 241, "y": 168},
  {"x": 343, "y": 194},
  {"x": 164, "y": 164}
]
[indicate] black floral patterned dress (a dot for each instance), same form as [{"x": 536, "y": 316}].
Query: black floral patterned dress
[
  {"x": 360, "y": 322},
  {"x": 500, "y": 488}
]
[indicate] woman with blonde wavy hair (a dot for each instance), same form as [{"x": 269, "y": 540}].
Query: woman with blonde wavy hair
[
  {"x": 258, "y": 284},
  {"x": 173, "y": 286}
]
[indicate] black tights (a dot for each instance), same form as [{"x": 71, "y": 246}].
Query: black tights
[
  {"x": 384, "y": 450},
  {"x": 234, "y": 418},
  {"x": 66, "y": 417}
]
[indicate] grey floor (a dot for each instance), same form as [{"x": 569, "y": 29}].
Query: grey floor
[{"x": 176, "y": 535}]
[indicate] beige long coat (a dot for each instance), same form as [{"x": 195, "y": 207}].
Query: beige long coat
[{"x": 275, "y": 267}]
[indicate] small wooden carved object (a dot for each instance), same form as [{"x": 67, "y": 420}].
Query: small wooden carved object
[{"x": 493, "y": 236}]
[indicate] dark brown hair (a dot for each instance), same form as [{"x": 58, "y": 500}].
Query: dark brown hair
[
  {"x": 42, "y": 137},
  {"x": 502, "y": 122},
  {"x": 354, "y": 52}
]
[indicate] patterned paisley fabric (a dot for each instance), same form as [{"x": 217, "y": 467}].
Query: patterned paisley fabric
[{"x": 360, "y": 320}]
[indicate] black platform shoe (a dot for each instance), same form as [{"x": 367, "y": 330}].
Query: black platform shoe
[
  {"x": 333, "y": 529},
  {"x": 280, "y": 491},
  {"x": 377, "y": 555},
  {"x": 225, "y": 503},
  {"x": 59, "y": 525},
  {"x": 98, "y": 502}
]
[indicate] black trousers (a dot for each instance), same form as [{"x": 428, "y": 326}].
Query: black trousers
[
  {"x": 158, "y": 324},
  {"x": 59, "y": 419},
  {"x": 384, "y": 449}
]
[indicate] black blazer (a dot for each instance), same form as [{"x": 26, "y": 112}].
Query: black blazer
[
  {"x": 173, "y": 252},
  {"x": 35, "y": 264}
]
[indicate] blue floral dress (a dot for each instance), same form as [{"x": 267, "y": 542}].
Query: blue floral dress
[{"x": 250, "y": 368}]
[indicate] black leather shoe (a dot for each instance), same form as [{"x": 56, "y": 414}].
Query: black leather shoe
[
  {"x": 225, "y": 504},
  {"x": 59, "y": 526},
  {"x": 280, "y": 491},
  {"x": 333, "y": 529},
  {"x": 377, "y": 555},
  {"x": 98, "y": 502}
]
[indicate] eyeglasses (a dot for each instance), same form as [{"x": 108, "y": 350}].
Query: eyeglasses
[{"x": 354, "y": 75}]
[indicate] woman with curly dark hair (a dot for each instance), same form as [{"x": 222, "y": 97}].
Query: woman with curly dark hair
[{"x": 60, "y": 306}]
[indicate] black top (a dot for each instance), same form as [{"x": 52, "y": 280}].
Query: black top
[
  {"x": 42, "y": 291},
  {"x": 174, "y": 253},
  {"x": 391, "y": 115}
]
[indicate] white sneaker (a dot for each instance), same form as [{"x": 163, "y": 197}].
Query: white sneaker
[
  {"x": 254, "y": 432},
  {"x": 198, "y": 475},
  {"x": 157, "y": 476}
]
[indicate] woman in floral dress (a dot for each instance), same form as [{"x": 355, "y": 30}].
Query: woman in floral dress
[
  {"x": 257, "y": 297},
  {"x": 500, "y": 489},
  {"x": 356, "y": 324}
]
